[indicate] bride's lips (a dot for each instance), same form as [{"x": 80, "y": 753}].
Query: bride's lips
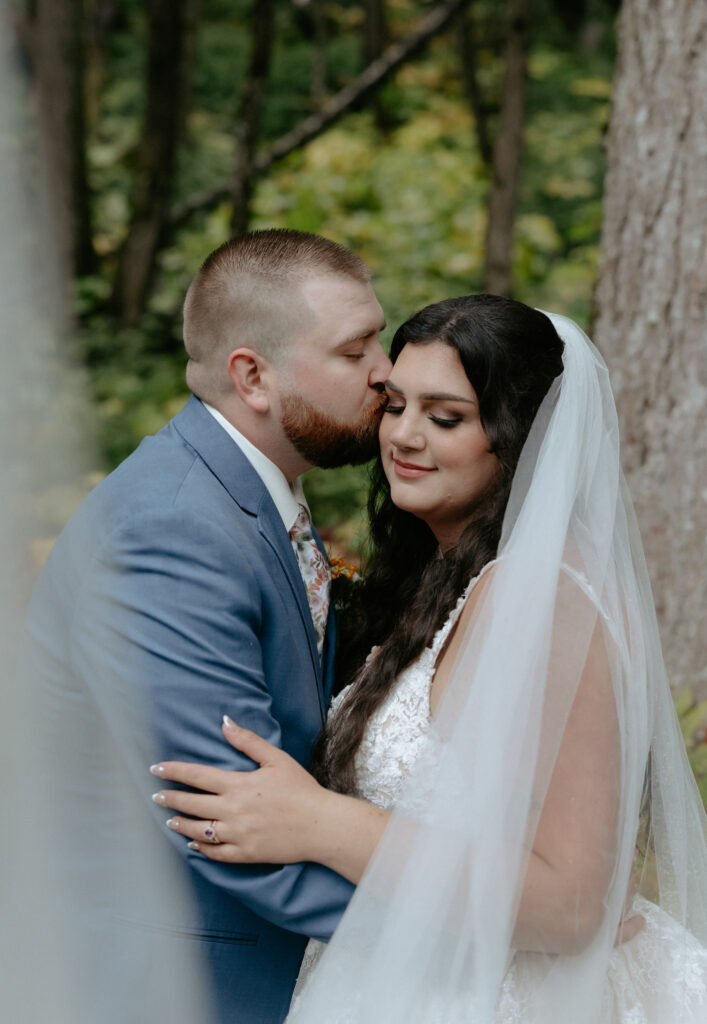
[{"x": 409, "y": 470}]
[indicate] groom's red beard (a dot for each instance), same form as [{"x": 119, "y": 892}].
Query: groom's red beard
[{"x": 325, "y": 441}]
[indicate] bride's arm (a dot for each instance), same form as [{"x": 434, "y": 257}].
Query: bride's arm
[
  {"x": 278, "y": 814},
  {"x": 572, "y": 859}
]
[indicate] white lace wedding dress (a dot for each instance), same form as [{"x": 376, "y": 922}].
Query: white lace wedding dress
[{"x": 642, "y": 986}]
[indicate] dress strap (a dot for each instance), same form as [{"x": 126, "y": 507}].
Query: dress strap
[{"x": 442, "y": 634}]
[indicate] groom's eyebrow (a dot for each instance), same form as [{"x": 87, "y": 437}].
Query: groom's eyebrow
[{"x": 362, "y": 336}]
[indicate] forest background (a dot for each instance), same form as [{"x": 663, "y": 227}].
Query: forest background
[{"x": 456, "y": 146}]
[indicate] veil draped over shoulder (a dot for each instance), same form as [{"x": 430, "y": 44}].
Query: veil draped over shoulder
[{"x": 563, "y": 639}]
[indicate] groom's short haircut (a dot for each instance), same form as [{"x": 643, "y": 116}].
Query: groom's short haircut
[{"x": 248, "y": 293}]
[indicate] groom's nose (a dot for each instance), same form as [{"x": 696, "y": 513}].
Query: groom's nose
[{"x": 380, "y": 368}]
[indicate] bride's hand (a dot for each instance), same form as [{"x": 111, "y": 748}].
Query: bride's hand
[{"x": 263, "y": 816}]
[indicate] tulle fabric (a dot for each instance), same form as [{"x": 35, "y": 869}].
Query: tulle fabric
[{"x": 429, "y": 934}]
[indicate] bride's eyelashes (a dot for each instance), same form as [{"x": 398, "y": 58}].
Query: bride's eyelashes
[
  {"x": 447, "y": 424},
  {"x": 395, "y": 410}
]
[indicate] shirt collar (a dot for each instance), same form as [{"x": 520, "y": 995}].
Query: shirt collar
[{"x": 287, "y": 498}]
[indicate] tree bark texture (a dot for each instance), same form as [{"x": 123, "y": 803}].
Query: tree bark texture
[
  {"x": 172, "y": 26},
  {"x": 507, "y": 152},
  {"x": 248, "y": 120},
  {"x": 652, "y": 307},
  {"x": 55, "y": 34}
]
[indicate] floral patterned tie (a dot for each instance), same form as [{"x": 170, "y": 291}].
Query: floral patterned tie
[{"x": 315, "y": 570}]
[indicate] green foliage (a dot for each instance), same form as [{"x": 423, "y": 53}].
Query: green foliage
[{"x": 411, "y": 202}]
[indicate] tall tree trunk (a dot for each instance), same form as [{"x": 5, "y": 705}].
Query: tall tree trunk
[
  {"x": 172, "y": 28},
  {"x": 652, "y": 301},
  {"x": 248, "y": 120},
  {"x": 375, "y": 39},
  {"x": 101, "y": 17},
  {"x": 507, "y": 151},
  {"x": 55, "y": 32},
  {"x": 467, "y": 55},
  {"x": 319, "y": 53}
]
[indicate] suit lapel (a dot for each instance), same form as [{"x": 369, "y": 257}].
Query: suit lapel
[{"x": 227, "y": 462}]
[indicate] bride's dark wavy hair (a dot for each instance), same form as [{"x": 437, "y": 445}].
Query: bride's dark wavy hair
[{"x": 510, "y": 354}]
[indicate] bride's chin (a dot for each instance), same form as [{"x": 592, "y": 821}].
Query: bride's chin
[{"x": 409, "y": 506}]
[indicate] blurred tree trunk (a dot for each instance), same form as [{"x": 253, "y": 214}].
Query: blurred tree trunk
[
  {"x": 248, "y": 120},
  {"x": 507, "y": 152},
  {"x": 319, "y": 53},
  {"x": 652, "y": 301},
  {"x": 572, "y": 13},
  {"x": 375, "y": 39},
  {"x": 54, "y": 34},
  {"x": 171, "y": 36},
  {"x": 101, "y": 17},
  {"x": 467, "y": 55}
]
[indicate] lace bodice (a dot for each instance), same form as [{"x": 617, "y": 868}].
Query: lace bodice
[{"x": 400, "y": 733}]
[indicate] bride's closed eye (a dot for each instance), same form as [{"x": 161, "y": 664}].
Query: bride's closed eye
[{"x": 447, "y": 424}]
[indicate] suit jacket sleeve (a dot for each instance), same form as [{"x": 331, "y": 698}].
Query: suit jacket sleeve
[{"x": 166, "y": 635}]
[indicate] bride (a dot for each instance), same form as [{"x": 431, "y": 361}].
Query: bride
[{"x": 504, "y": 762}]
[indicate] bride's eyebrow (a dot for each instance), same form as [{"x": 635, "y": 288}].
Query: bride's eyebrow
[
  {"x": 432, "y": 396},
  {"x": 445, "y": 396}
]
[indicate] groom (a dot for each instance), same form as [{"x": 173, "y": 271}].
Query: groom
[{"x": 189, "y": 584}]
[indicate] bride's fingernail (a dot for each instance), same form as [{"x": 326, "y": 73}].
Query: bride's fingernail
[
  {"x": 157, "y": 769},
  {"x": 173, "y": 823},
  {"x": 228, "y": 722},
  {"x": 158, "y": 798},
  {"x": 193, "y": 846}
]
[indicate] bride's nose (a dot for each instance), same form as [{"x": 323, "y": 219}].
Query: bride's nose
[{"x": 406, "y": 435}]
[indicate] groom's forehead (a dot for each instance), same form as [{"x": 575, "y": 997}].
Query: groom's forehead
[{"x": 345, "y": 307}]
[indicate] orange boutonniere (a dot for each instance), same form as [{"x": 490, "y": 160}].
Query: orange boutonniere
[
  {"x": 340, "y": 567},
  {"x": 344, "y": 576}
]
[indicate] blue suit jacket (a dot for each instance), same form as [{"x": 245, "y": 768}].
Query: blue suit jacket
[{"x": 173, "y": 597}]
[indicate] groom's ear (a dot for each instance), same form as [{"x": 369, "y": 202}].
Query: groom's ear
[{"x": 250, "y": 376}]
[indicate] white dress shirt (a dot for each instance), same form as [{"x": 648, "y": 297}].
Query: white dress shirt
[{"x": 287, "y": 498}]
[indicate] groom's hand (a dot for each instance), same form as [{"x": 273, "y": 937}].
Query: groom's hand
[{"x": 264, "y": 816}]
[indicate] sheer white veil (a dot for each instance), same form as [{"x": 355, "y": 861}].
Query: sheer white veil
[{"x": 429, "y": 933}]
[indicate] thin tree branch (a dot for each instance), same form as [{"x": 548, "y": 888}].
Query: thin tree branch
[{"x": 365, "y": 84}]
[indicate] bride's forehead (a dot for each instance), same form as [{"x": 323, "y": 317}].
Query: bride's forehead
[{"x": 419, "y": 367}]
